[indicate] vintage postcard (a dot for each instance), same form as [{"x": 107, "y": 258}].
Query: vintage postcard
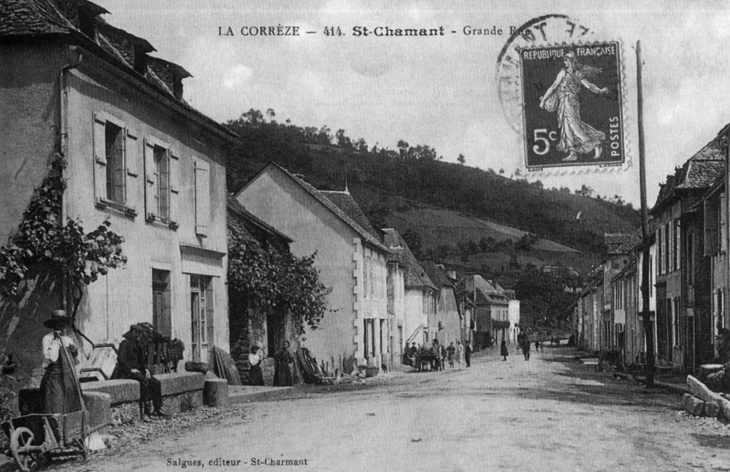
[{"x": 335, "y": 235}]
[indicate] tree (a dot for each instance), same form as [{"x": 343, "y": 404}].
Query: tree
[
  {"x": 342, "y": 140},
  {"x": 66, "y": 252},
  {"x": 403, "y": 148},
  {"x": 413, "y": 240},
  {"x": 584, "y": 191},
  {"x": 461, "y": 160},
  {"x": 277, "y": 280}
]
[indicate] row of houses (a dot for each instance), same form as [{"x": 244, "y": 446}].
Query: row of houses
[
  {"x": 688, "y": 273},
  {"x": 383, "y": 300},
  {"x": 139, "y": 157}
]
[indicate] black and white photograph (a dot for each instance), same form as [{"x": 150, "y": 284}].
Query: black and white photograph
[{"x": 341, "y": 235}]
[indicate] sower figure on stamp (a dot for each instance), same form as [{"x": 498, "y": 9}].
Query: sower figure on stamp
[
  {"x": 131, "y": 364},
  {"x": 59, "y": 386},
  {"x": 576, "y": 136}
]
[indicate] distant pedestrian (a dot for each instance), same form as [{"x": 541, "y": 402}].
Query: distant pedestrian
[
  {"x": 503, "y": 350},
  {"x": 459, "y": 351},
  {"x": 526, "y": 347},
  {"x": 467, "y": 354},
  {"x": 442, "y": 356},
  {"x": 451, "y": 350},
  {"x": 491, "y": 342},
  {"x": 537, "y": 346}
]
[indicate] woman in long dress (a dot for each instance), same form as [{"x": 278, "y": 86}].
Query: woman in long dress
[
  {"x": 284, "y": 360},
  {"x": 576, "y": 136},
  {"x": 255, "y": 375}
]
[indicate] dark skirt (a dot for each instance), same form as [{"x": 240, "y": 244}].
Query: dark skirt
[
  {"x": 255, "y": 375},
  {"x": 58, "y": 391},
  {"x": 283, "y": 374},
  {"x": 503, "y": 350}
]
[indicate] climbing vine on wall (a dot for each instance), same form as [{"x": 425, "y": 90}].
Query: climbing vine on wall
[
  {"x": 278, "y": 280},
  {"x": 67, "y": 251}
]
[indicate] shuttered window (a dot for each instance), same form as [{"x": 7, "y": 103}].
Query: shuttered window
[
  {"x": 202, "y": 197},
  {"x": 712, "y": 225},
  {"x": 158, "y": 185},
  {"x": 114, "y": 150}
]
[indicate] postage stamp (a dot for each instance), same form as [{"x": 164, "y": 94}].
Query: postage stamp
[
  {"x": 572, "y": 105},
  {"x": 562, "y": 89}
]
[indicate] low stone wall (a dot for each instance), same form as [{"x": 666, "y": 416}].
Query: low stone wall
[{"x": 118, "y": 400}]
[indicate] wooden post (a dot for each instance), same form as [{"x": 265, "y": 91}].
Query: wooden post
[{"x": 645, "y": 310}]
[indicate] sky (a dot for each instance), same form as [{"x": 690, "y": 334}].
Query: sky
[{"x": 442, "y": 91}]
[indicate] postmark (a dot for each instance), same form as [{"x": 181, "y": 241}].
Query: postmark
[{"x": 562, "y": 89}]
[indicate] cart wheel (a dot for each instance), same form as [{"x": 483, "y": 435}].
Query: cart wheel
[{"x": 27, "y": 461}]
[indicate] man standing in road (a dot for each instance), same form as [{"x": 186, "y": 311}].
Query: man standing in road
[
  {"x": 467, "y": 354},
  {"x": 526, "y": 346}
]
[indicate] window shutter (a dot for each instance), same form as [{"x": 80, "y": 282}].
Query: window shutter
[
  {"x": 132, "y": 153},
  {"x": 711, "y": 216},
  {"x": 99, "y": 159},
  {"x": 175, "y": 172},
  {"x": 120, "y": 169},
  {"x": 174, "y": 179},
  {"x": 723, "y": 223},
  {"x": 150, "y": 180},
  {"x": 164, "y": 184},
  {"x": 202, "y": 197}
]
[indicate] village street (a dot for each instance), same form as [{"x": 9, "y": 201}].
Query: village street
[{"x": 551, "y": 413}]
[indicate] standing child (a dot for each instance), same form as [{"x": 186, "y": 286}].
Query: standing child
[
  {"x": 459, "y": 351},
  {"x": 451, "y": 351},
  {"x": 503, "y": 350}
]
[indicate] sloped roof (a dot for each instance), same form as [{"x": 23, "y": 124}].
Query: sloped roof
[
  {"x": 322, "y": 199},
  {"x": 436, "y": 274},
  {"x": 487, "y": 298},
  {"x": 700, "y": 171},
  {"x": 236, "y": 209},
  {"x": 110, "y": 45},
  {"x": 348, "y": 204},
  {"x": 621, "y": 243},
  {"x": 415, "y": 276},
  {"x": 628, "y": 269},
  {"x": 22, "y": 17}
]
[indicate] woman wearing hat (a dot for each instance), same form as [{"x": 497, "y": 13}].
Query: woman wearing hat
[{"x": 59, "y": 389}]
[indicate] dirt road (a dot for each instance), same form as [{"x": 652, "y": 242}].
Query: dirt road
[{"x": 551, "y": 413}]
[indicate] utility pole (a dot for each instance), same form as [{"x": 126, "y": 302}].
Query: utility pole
[{"x": 648, "y": 327}]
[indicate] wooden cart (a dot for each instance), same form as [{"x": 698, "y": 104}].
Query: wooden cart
[{"x": 36, "y": 438}]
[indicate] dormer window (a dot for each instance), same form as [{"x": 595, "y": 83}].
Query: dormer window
[
  {"x": 87, "y": 25},
  {"x": 177, "y": 87},
  {"x": 140, "y": 61}
]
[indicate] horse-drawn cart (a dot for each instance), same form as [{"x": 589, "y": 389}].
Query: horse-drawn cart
[{"x": 36, "y": 438}]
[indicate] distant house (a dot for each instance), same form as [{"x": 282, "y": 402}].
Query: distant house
[
  {"x": 613, "y": 315},
  {"x": 137, "y": 156},
  {"x": 492, "y": 315},
  {"x": 396, "y": 307},
  {"x": 350, "y": 257},
  {"x": 420, "y": 293},
  {"x": 447, "y": 317}
]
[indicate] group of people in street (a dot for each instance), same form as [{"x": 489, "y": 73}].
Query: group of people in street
[{"x": 438, "y": 354}]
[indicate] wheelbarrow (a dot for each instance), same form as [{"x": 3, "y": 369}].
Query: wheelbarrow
[{"x": 37, "y": 438}]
